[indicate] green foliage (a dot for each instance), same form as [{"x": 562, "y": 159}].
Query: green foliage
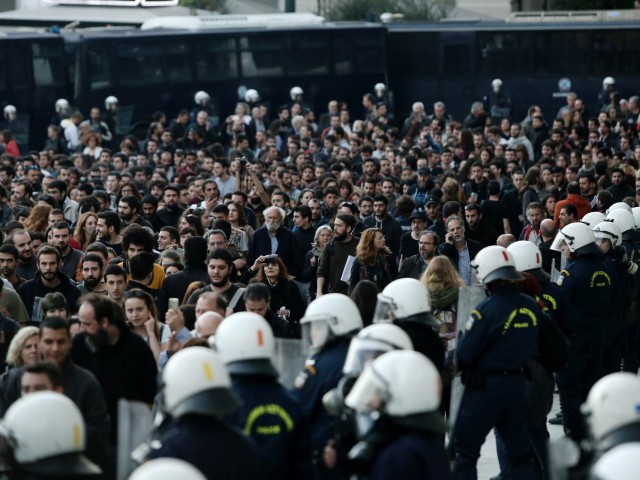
[
  {"x": 220, "y": 6},
  {"x": 370, "y": 10}
]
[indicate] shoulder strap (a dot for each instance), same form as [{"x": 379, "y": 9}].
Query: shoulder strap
[{"x": 235, "y": 298}]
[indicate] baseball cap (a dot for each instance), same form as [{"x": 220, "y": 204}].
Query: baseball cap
[
  {"x": 418, "y": 215},
  {"x": 431, "y": 200},
  {"x": 424, "y": 171}
]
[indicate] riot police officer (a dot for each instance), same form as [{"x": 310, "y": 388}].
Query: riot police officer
[
  {"x": 406, "y": 303},
  {"x": 587, "y": 283},
  {"x": 46, "y": 436},
  {"x": 197, "y": 394},
  {"x": 499, "y": 340},
  {"x": 622, "y": 463},
  {"x": 269, "y": 414},
  {"x": 167, "y": 469},
  {"x": 328, "y": 325},
  {"x": 396, "y": 400}
]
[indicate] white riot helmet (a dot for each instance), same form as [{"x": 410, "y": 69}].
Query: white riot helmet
[
  {"x": 295, "y": 92},
  {"x": 403, "y": 384},
  {"x": 10, "y": 111},
  {"x": 619, "y": 205},
  {"x": 578, "y": 237},
  {"x": 167, "y": 469},
  {"x": 607, "y": 82},
  {"x": 593, "y": 218},
  {"x": 608, "y": 231},
  {"x": 621, "y": 463},
  {"x": 373, "y": 341},
  {"x": 201, "y": 98},
  {"x": 330, "y": 316},
  {"x": 527, "y": 258},
  {"x": 246, "y": 345},
  {"x": 196, "y": 381},
  {"x": 379, "y": 88},
  {"x": 624, "y": 220},
  {"x": 612, "y": 410},
  {"x": 47, "y": 434},
  {"x": 496, "y": 84},
  {"x": 251, "y": 96},
  {"x": 405, "y": 299},
  {"x": 110, "y": 100},
  {"x": 495, "y": 263},
  {"x": 636, "y": 216},
  {"x": 62, "y": 105}
]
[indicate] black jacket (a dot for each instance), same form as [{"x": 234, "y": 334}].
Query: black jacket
[
  {"x": 451, "y": 251},
  {"x": 412, "y": 267},
  {"x": 31, "y": 289},
  {"x": 288, "y": 249}
]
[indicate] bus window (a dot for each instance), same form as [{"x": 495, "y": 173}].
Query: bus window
[
  {"x": 216, "y": 59},
  {"x": 99, "y": 69},
  {"x": 562, "y": 53},
  {"x": 48, "y": 64},
  {"x": 342, "y": 46},
  {"x": 616, "y": 52},
  {"x": 370, "y": 53},
  {"x": 413, "y": 53},
  {"x": 308, "y": 54},
  {"x": 19, "y": 71},
  {"x": 178, "y": 61},
  {"x": 262, "y": 56},
  {"x": 504, "y": 53},
  {"x": 456, "y": 60},
  {"x": 140, "y": 64}
]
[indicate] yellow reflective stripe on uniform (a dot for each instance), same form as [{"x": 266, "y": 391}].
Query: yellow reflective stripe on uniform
[
  {"x": 565, "y": 272},
  {"x": 596, "y": 274},
  {"x": 477, "y": 314},
  {"x": 551, "y": 300},
  {"x": 512, "y": 316},
  {"x": 268, "y": 409}
]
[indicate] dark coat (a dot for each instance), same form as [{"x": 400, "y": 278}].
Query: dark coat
[
  {"x": 288, "y": 249},
  {"x": 31, "y": 289}
]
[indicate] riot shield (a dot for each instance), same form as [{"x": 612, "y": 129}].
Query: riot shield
[
  {"x": 555, "y": 273},
  {"x": 468, "y": 299},
  {"x": 134, "y": 426},
  {"x": 289, "y": 359}
]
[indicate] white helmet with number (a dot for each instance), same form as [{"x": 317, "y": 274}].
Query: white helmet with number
[
  {"x": 608, "y": 81},
  {"x": 62, "y": 105},
  {"x": 252, "y": 96},
  {"x": 295, "y": 92},
  {"x": 593, "y": 218},
  {"x": 167, "y": 469},
  {"x": 47, "y": 434},
  {"x": 495, "y": 263},
  {"x": 330, "y": 316},
  {"x": 373, "y": 341},
  {"x": 608, "y": 230},
  {"x": 110, "y": 100},
  {"x": 527, "y": 258},
  {"x": 612, "y": 410},
  {"x": 10, "y": 110},
  {"x": 201, "y": 97},
  {"x": 623, "y": 219},
  {"x": 578, "y": 237},
  {"x": 621, "y": 463},
  {"x": 403, "y": 384},
  {"x": 619, "y": 205},
  {"x": 636, "y": 216},
  {"x": 196, "y": 381},
  {"x": 246, "y": 345},
  {"x": 402, "y": 299}
]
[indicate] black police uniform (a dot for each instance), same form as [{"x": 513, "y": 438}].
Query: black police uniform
[
  {"x": 587, "y": 284},
  {"x": 500, "y": 339},
  {"x": 274, "y": 420},
  {"x": 322, "y": 372},
  {"x": 210, "y": 445}
]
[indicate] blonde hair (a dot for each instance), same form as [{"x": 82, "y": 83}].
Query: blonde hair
[
  {"x": 80, "y": 234},
  {"x": 14, "y": 353},
  {"x": 366, "y": 251},
  {"x": 441, "y": 274}
]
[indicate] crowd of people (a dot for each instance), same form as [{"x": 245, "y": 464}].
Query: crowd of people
[{"x": 194, "y": 251}]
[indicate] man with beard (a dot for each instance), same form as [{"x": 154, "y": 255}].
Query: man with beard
[
  {"x": 108, "y": 228},
  {"x": 478, "y": 229},
  {"x": 335, "y": 254},
  {"x": 414, "y": 267},
  {"x": 121, "y": 360},
  {"x": 409, "y": 240},
  {"x": 21, "y": 239},
  {"x": 219, "y": 264},
  {"x": 61, "y": 235},
  {"x": 385, "y": 222},
  {"x": 420, "y": 191},
  {"x": 49, "y": 278},
  {"x": 137, "y": 239},
  {"x": 150, "y": 212},
  {"x": 459, "y": 250},
  {"x": 8, "y": 262},
  {"x": 92, "y": 266},
  {"x": 317, "y": 219},
  {"x": 171, "y": 212},
  {"x": 273, "y": 238},
  {"x": 128, "y": 208},
  {"x": 535, "y": 215}
]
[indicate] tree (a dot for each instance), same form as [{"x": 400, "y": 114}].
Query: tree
[{"x": 370, "y": 10}]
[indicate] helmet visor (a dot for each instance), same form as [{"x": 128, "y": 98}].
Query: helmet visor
[
  {"x": 316, "y": 333},
  {"x": 369, "y": 393},
  {"x": 559, "y": 242},
  {"x": 361, "y": 352},
  {"x": 385, "y": 310}
]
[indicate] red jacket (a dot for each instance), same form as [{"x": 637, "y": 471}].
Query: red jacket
[{"x": 582, "y": 205}]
